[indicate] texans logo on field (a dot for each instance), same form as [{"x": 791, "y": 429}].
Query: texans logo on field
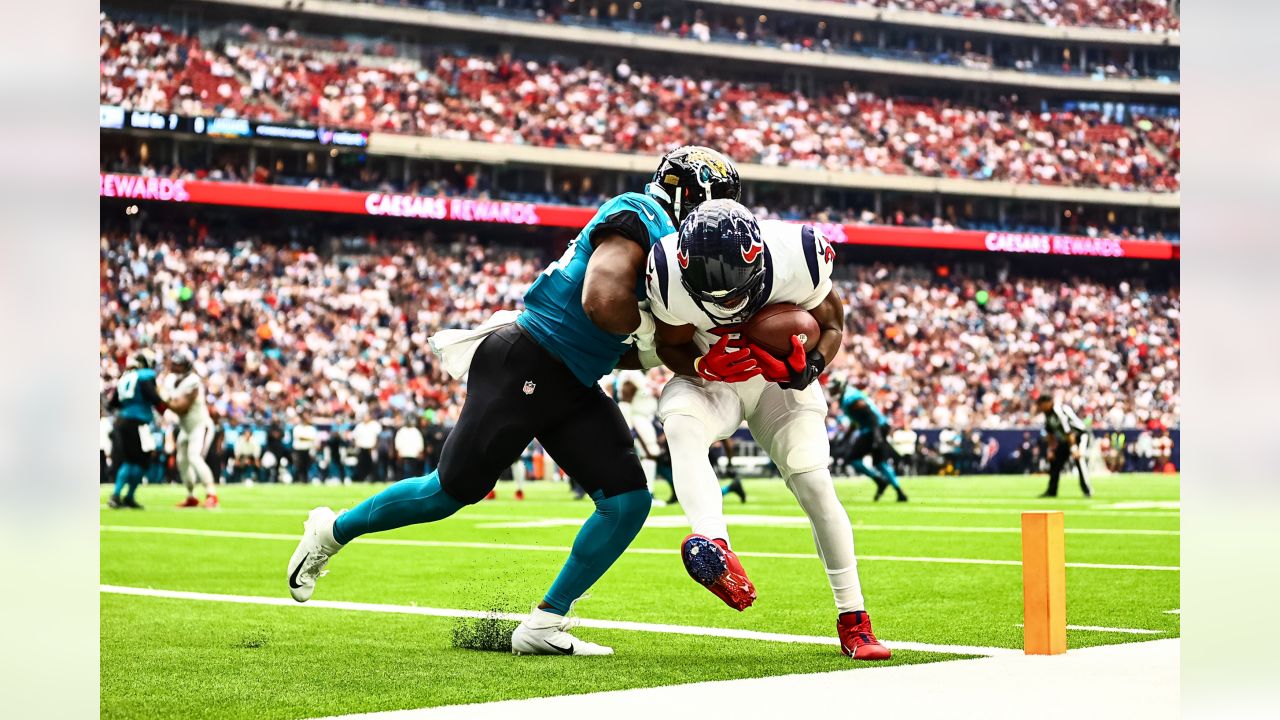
[
  {"x": 682, "y": 257},
  {"x": 753, "y": 250}
]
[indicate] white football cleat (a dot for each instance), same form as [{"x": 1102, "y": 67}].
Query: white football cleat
[
  {"x": 314, "y": 550},
  {"x": 546, "y": 633}
]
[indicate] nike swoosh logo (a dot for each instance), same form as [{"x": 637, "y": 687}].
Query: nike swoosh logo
[
  {"x": 562, "y": 651},
  {"x": 293, "y": 578},
  {"x": 646, "y": 212}
]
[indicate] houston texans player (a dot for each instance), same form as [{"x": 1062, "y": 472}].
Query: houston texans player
[
  {"x": 537, "y": 377},
  {"x": 716, "y": 273}
]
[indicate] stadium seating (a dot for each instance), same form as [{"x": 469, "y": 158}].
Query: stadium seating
[
  {"x": 504, "y": 99},
  {"x": 280, "y": 330}
]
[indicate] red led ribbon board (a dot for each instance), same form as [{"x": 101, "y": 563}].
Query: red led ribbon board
[{"x": 279, "y": 197}]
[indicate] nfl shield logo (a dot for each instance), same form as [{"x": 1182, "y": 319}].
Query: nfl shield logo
[{"x": 529, "y": 386}]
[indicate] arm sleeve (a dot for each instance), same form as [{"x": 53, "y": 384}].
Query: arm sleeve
[
  {"x": 819, "y": 259},
  {"x": 633, "y": 216},
  {"x": 623, "y": 222}
]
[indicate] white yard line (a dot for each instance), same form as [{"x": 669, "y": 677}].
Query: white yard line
[
  {"x": 927, "y": 507},
  {"x": 640, "y": 551},
  {"x": 1173, "y": 612},
  {"x": 802, "y": 522},
  {"x": 1131, "y": 680},
  {"x": 734, "y": 633}
]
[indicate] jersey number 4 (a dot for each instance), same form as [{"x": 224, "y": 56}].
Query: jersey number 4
[
  {"x": 128, "y": 386},
  {"x": 564, "y": 259}
]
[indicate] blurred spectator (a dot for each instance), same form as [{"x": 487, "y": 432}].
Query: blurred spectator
[
  {"x": 409, "y": 448},
  {"x": 245, "y": 460},
  {"x": 305, "y": 442},
  {"x": 365, "y": 439}
]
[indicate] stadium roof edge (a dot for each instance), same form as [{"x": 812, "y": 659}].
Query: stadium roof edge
[
  {"x": 461, "y": 22},
  {"x": 935, "y": 21},
  {"x": 500, "y": 153}
]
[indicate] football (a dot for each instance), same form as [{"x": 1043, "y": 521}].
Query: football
[{"x": 773, "y": 325}]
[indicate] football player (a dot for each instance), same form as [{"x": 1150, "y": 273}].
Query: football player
[
  {"x": 537, "y": 377},
  {"x": 135, "y": 399},
  {"x": 196, "y": 429},
  {"x": 868, "y": 434},
  {"x": 639, "y": 405},
  {"x": 716, "y": 273}
]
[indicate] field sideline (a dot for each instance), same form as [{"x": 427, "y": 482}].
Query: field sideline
[{"x": 940, "y": 573}]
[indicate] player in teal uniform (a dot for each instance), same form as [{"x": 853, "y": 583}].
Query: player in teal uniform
[
  {"x": 134, "y": 400},
  {"x": 868, "y": 434},
  {"x": 538, "y": 378}
]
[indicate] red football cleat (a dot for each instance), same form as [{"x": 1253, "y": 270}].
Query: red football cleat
[
  {"x": 717, "y": 568},
  {"x": 857, "y": 639},
  {"x": 493, "y": 495},
  {"x": 210, "y": 501},
  {"x": 519, "y": 494},
  {"x": 191, "y": 501}
]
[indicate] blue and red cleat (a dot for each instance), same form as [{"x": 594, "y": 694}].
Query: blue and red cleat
[
  {"x": 714, "y": 566},
  {"x": 857, "y": 640}
]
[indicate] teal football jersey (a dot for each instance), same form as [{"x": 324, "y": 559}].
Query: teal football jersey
[
  {"x": 553, "y": 312},
  {"x": 866, "y": 418},
  {"x": 136, "y": 393}
]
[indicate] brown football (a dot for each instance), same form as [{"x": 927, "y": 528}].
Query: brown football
[{"x": 773, "y": 325}]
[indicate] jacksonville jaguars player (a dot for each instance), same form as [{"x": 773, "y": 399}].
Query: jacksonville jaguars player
[
  {"x": 135, "y": 399},
  {"x": 537, "y": 378},
  {"x": 868, "y": 434},
  {"x": 716, "y": 273}
]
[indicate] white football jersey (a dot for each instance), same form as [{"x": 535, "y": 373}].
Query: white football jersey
[
  {"x": 645, "y": 402},
  {"x": 198, "y": 413},
  {"x": 797, "y": 263}
]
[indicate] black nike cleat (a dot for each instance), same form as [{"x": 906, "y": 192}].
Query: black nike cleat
[
  {"x": 131, "y": 503},
  {"x": 736, "y": 488}
]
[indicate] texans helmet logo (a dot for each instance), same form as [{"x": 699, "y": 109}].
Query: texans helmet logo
[
  {"x": 828, "y": 253},
  {"x": 682, "y": 257},
  {"x": 752, "y": 251}
]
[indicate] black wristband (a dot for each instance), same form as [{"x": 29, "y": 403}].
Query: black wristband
[{"x": 814, "y": 364}]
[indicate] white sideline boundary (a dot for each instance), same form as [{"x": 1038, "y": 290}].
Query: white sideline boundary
[
  {"x": 1132, "y": 680},
  {"x": 734, "y": 633},
  {"x": 236, "y": 534},
  {"x": 1122, "y": 631}
]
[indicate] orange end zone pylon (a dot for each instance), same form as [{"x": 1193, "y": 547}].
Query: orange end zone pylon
[{"x": 1044, "y": 583}]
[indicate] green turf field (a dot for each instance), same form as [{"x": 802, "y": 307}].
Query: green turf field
[{"x": 166, "y": 657}]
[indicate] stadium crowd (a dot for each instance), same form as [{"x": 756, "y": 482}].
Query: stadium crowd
[
  {"x": 1134, "y": 15},
  {"x": 285, "y": 335},
  {"x": 964, "y": 352},
  {"x": 277, "y": 76}
]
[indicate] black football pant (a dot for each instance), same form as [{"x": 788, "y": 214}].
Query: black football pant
[
  {"x": 1061, "y": 457},
  {"x": 518, "y": 392}
]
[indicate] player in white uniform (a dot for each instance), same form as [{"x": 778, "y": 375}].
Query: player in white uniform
[
  {"x": 638, "y": 400},
  {"x": 195, "y": 433},
  {"x": 715, "y": 273}
]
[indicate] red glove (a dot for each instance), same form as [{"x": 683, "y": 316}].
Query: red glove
[{"x": 722, "y": 365}]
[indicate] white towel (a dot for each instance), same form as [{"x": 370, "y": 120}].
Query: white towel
[{"x": 455, "y": 348}]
